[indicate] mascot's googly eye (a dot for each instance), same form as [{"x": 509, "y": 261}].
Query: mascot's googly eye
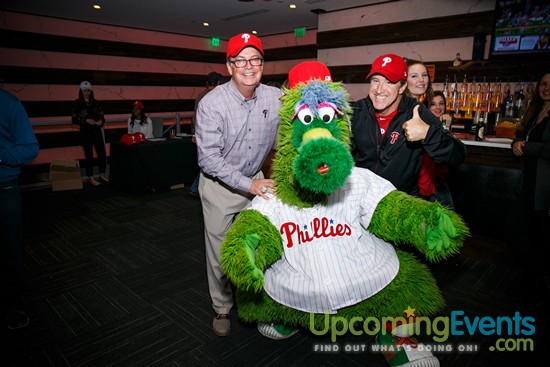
[
  {"x": 326, "y": 114},
  {"x": 305, "y": 116}
]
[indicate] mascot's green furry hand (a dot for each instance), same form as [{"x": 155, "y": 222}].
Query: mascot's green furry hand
[
  {"x": 433, "y": 229},
  {"x": 251, "y": 244}
]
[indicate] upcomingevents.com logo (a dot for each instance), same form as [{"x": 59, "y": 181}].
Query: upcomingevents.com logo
[{"x": 514, "y": 331}]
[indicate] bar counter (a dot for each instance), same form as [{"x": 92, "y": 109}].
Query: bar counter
[{"x": 484, "y": 186}]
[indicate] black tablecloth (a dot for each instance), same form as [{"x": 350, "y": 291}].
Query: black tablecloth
[{"x": 153, "y": 165}]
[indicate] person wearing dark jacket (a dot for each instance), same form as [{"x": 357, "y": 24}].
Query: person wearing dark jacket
[
  {"x": 18, "y": 146},
  {"x": 88, "y": 114},
  {"x": 390, "y": 130},
  {"x": 528, "y": 226}
]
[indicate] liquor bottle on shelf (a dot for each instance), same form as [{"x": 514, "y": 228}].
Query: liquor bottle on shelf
[
  {"x": 481, "y": 125},
  {"x": 508, "y": 105},
  {"x": 478, "y": 126},
  {"x": 497, "y": 97},
  {"x": 464, "y": 98},
  {"x": 478, "y": 98},
  {"x": 487, "y": 104},
  {"x": 472, "y": 86},
  {"x": 456, "y": 98},
  {"x": 519, "y": 104},
  {"x": 446, "y": 93}
]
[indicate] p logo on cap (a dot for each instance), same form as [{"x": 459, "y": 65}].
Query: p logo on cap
[
  {"x": 135, "y": 138},
  {"x": 391, "y": 66},
  {"x": 239, "y": 42}
]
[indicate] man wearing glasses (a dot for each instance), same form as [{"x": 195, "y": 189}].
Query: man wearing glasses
[{"x": 236, "y": 126}]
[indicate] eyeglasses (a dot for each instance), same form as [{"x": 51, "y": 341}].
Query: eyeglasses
[{"x": 241, "y": 63}]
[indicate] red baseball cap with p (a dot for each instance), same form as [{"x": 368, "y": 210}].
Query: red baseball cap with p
[
  {"x": 239, "y": 42},
  {"x": 391, "y": 66},
  {"x": 306, "y": 71}
]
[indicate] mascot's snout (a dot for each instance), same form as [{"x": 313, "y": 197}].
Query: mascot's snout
[
  {"x": 314, "y": 134},
  {"x": 322, "y": 165}
]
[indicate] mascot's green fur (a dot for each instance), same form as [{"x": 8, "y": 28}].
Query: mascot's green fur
[{"x": 312, "y": 163}]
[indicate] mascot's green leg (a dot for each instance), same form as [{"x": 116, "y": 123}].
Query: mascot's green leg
[{"x": 414, "y": 287}]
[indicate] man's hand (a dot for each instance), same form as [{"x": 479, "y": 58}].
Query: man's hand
[
  {"x": 415, "y": 129},
  {"x": 262, "y": 187}
]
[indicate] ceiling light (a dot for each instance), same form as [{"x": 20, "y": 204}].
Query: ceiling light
[
  {"x": 254, "y": 32},
  {"x": 97, "y": 7},
  {"x": 205, "y": 24},
  {"x": 292, "y": 6}
]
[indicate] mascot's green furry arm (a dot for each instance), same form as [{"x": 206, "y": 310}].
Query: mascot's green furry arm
[
  {"x": 251, "y": 245},
  {"x": 433, "y": 229}
]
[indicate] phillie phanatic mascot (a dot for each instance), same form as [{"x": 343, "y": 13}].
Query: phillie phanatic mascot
[{"x": 324, "y": 246}]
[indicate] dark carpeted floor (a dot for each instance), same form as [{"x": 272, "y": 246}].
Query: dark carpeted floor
[{"x": 118, "y": 279}]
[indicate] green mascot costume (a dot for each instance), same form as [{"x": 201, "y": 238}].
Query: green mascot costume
[{"x": 324, "y": 245}]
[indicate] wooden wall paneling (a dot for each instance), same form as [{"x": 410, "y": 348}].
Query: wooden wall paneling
[
  {"x": 463, "y": 25},
  {"x": 30, "y": 75},
  {"x": 63, "y": 108},
  {"x": 46, "y": 42},
  {"x": 513, "y": 69}
]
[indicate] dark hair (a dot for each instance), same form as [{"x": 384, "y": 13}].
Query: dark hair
[
  {"x": 142, "y": 120},
  {"x": 534, "y": 104},
  {"x": 428, "y": 101},
  {"x": 213, "y": 78},
  {"x": 90, "y": 96}
]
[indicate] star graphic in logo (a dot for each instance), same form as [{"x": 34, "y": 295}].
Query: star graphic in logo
[{"x": 410, "y": 311}]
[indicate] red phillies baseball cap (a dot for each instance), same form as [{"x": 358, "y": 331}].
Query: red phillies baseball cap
[
  {"x": 306, "y": 71},
  {"x": 128, "y": 139},
  {"x": 139, "y": 138},
  {"x": 391, "y": 66},
  {"x": 240, "y": 41},
  {"x": 138, "y": 104}
]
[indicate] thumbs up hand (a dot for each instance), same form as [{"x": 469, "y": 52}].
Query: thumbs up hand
[{"x": 415, "y": 129}]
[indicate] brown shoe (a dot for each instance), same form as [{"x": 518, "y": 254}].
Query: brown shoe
[
  {"x": 221, "y": 324},
  {"x": 94, "y": 182}
]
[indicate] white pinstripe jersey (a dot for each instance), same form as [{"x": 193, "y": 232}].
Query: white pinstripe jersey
[{"x": 330, "y": 260}]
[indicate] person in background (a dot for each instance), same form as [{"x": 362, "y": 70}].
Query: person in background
[
  {"x": 529, "y": 221},
  {"x": 436, "y": 104},
  {"x": 138, "y": 122},
  {"x": 18, "y": 146},
  {"x": 431, "y": 175},
  {"x": 87, "y": 113},
  {"x": 391, "y": 130},
  {"x": 212, "y": 80},
  {"x": 236, "y": 125},
  {"x": 419, "y": 85}
]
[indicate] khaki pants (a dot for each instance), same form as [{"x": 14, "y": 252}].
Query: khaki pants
[{"x": 220, "y": 206}]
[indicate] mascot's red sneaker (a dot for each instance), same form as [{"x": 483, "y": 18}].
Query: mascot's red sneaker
[{"x": 401, "y": 350}]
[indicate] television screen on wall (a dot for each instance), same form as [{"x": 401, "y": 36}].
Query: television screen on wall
[{"x": 522, "y": 27}]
